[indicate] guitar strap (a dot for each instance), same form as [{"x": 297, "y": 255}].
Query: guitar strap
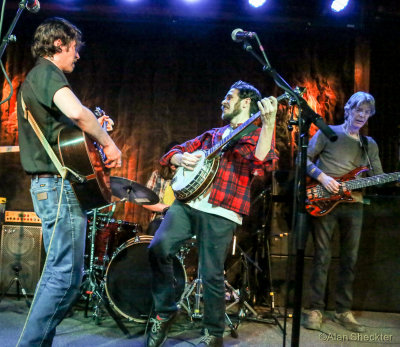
[
  {"x": 364, "y": 145},
  {"x": 28, "y": 115},
  {"x": 236, "y": 138}
]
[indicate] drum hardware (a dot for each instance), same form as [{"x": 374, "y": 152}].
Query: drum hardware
[
  {"x": 195, "y": 313},
  {"x": 94, "y": 285},
  {"x": 108, "y": 214},
  {"x": 241, "y": 297}
]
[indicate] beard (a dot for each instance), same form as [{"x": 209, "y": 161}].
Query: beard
[{"x": 229, "y": 116}]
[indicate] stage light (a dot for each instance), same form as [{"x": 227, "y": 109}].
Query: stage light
[
  {"x": 339, "y": 5},
  {"x": 257, "y": 3}
]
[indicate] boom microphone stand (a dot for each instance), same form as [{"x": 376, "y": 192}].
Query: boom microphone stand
[
  {"x": 306, "y": 116},
  {"x": 197, "y": 287},
  {"x": 264, "y": 236},
  {"x": 246, "y": 311},
  {"x": 8, "y": 37}
]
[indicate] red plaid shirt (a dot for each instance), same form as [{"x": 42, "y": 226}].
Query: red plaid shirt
[{"x": 231, "y": 186}]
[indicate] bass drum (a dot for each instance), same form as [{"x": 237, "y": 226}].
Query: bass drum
[{"x": 128, "y": 279}]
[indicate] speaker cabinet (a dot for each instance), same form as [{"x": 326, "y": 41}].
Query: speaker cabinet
[{"x": 21, "y": 249}]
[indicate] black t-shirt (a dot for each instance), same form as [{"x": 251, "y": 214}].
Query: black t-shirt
[{"x": 38, "y": 89}]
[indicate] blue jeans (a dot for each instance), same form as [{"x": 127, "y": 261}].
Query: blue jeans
[
  {"x": 213, "y": 234},
  {"x": 349, "y": 219},
  {"x": 62, "y": 275}
]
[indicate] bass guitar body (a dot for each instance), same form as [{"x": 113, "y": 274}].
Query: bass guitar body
[{"x": 78, "y": 152}]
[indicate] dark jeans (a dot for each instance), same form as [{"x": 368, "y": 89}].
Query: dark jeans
[
  {"x": 62, "y": 275},
  {"x": 213, "y": 234},
  {"x": 348, "y": 217}
]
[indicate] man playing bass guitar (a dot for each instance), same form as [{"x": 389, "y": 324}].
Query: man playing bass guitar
[
  {"x": 47, "y": 97},
  {"x": 214, "y": 214},
  {"x": 325, "y": 161}
]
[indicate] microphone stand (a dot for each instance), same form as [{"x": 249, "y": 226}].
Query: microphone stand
[
  {"x": 8, "y": 37},
  {"x": 306, "y": 116}
]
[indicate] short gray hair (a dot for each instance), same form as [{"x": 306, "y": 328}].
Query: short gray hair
[{"x": 356, "y": 100}]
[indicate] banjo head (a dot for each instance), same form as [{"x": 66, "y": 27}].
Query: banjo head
[{"x": 183, "y": 177}]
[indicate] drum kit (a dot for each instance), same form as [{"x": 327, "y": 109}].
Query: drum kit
[{"x": 117, "y": 274}]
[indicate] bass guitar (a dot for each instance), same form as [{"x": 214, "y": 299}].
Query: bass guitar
[
  {"x": 85, "y": 158},
  {"x": 319, "y": 201}
]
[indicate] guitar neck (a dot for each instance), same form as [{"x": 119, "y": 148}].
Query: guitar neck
[
  {"x": 372, "y": 181},
  {"x": 237, "y": 132}
]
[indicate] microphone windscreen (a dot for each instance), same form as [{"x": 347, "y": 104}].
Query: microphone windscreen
[{"x": 234, "y": 33}]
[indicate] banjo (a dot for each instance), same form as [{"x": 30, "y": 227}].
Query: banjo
[{"x": 187, "y": 184}]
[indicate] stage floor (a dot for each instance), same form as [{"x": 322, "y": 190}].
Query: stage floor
[{"x": 382, "y": 329}]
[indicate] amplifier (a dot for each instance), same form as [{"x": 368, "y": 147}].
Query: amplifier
[
  {"x": 21, "y": 251},
  {"x": 22, "y": 217}
]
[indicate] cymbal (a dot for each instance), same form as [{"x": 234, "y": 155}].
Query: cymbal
[{"x": 134, "y": 192}]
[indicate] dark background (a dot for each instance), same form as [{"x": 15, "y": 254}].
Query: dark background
[{"x": 161, "y": 68}]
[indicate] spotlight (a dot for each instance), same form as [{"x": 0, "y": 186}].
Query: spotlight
[
  {"x": 339, "y": 5},
  {"x": 257, "y": 3}
]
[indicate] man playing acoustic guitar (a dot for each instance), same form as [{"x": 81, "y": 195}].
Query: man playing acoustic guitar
[
  {"x": 214, "y": 214},
  {"x": 325, "y": 161},
  {"x": 46, "y": 95}
]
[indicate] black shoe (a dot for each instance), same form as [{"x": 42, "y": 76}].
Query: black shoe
[
  {"x": 210, "y": 340},
  {"x": 159, "y": 330}
]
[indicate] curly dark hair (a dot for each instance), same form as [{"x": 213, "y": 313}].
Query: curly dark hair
[
  {"x": 246, "y": 90},
  {"x": 51, "y": 30}
]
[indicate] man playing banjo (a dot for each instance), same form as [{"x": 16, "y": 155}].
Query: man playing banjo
[{"x": 212, "y": 210}]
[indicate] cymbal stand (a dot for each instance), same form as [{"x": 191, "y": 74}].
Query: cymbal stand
[
  {"x": 271, "y": 314},
  {"x": 246, "y": 311},
  {"x": 264, "y": 240},
  {"x": 195, "y": 313},
  {"x": 93, "y": 275},
  {"x": 95, "y": 286}
]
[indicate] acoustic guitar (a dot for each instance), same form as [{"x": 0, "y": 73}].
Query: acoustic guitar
[{"x": 81, "y": 154}]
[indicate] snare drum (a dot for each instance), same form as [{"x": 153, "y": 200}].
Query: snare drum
[{"x": 128, "y": 279}]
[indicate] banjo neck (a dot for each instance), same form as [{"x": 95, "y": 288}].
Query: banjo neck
[{"x": 237, "y": 133}]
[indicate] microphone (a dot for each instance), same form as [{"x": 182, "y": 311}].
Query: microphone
[
  {"x": 239, "y": 35},
  {"x": 33, "y": 6}
]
